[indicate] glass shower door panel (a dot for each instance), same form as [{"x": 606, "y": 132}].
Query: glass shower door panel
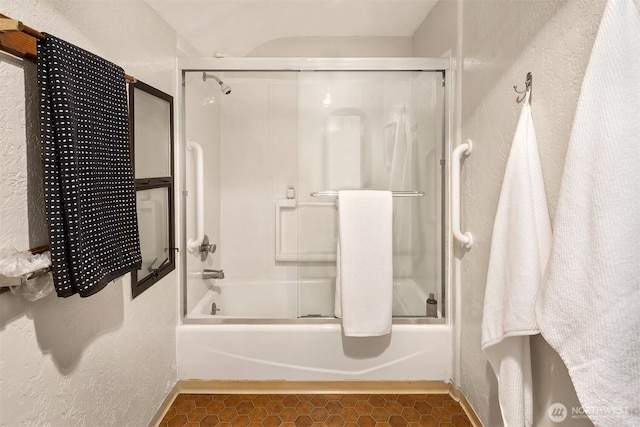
[
  {"x": 371, "y": 130},
  {"x": 249, "y": 139}
]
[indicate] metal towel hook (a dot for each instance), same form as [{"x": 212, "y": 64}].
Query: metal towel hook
[{"x": 528, "y": 84}]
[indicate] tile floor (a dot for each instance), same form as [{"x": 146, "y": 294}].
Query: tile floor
[{"x": 300, "y": 410}]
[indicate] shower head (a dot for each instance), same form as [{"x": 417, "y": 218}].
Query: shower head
[{"x": 225, "y": 88}]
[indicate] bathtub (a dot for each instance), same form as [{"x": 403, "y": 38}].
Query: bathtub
[{"x": 257, "y": 335}]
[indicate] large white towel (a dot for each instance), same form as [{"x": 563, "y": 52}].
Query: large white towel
[
  {"x": 589, "y": 305},
  {"x": 519, "y": 252},
  {"x": 364, "y": 284}
]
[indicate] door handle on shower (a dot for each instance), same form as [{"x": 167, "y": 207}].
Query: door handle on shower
[
  {"x": 195, "y": 243},
  {"x": 462, "y": 150}
]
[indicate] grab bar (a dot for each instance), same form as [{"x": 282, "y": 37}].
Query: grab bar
[
  {"x": 393, "y": 193},
  {"x": 195, "y": 243},
  {"x": 462, "y": 150}
]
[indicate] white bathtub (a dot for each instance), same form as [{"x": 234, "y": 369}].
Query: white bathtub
[{"x": 248, "y": 349}]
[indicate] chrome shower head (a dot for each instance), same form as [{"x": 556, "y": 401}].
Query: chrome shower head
[{"x": 224, "y": 87}]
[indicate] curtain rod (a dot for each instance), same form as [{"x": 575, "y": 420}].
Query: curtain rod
[{"x": 20, "y": 40}]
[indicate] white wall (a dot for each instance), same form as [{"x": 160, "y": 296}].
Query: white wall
[
  {"x": 103, "y": 360},
  {"x": 495, "y": 44},
  {"x": 333, "y": 47}
]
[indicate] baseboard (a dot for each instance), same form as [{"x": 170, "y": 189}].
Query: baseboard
[
  {"x": 311, "y": 387},
  {"x": 166, "y": 404},
  {"x": 457, "y": 395}
]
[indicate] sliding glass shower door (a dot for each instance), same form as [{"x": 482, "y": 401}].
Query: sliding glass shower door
[
  {"x": 277, "y": 138},
  {"x": 370, "y": 130}
]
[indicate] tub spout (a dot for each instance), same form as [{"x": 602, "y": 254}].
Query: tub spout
[{"x": 212, "y": 274}]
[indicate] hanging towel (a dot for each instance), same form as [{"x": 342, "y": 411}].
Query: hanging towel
[
  {"x": 519, "y": 252},
  {"x": 89, "y": 185},
  {"x": 589, "y": 304},
  {"x": 364, "y": 286}
]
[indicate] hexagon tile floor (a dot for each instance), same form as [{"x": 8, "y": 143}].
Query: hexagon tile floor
[{"x": 304, "y": 410}]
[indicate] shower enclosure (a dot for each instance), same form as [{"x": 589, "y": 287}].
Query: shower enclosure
[{"x": 266, "y": 145}]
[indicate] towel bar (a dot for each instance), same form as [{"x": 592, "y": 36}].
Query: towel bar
[{"x": 393, "y": 193}]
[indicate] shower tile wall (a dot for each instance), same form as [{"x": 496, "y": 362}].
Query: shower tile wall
[
  {"x": 249, "y": 139},
  {"x": 259, "y": 151}
]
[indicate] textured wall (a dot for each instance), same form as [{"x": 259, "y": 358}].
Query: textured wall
[
  {"x": 18, "y": 146},
  {"x": 103, "y": 360},
  {"x": 496, "y": 43},
  {"x": 13, "y": 173}
]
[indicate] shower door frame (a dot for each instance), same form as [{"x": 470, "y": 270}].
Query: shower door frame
[{"x": 443, "y": 65}]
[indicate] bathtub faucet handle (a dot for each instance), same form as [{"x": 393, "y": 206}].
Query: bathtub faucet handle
[
  {"x": 206, "y": 248},
  {"x": 211, "y": 248}
]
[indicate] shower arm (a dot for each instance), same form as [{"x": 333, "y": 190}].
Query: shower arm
[
  {"x": 195, "y": 243},
  {"x": 206, "y": 76}
]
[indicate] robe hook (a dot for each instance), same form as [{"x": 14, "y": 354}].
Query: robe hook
[{"x": 528, "y": 83}]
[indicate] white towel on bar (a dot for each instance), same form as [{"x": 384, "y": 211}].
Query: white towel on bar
[
  {"x": 364, "y": 284},
  {"x": 519, "y": 252},
  {"x": 589, "y": 304}
]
